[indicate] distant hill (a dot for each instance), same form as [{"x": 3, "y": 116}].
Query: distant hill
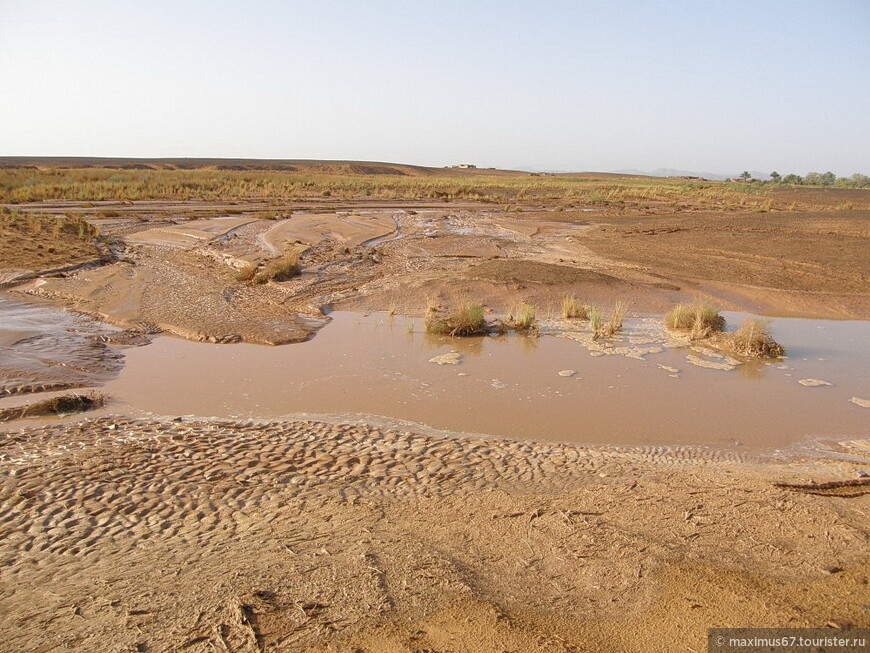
[
  {"x": 312, "y": 166},
  {"x": 289, "y": 165}
]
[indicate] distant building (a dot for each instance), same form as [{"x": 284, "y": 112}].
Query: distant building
[{"x": 466, "y": 166}]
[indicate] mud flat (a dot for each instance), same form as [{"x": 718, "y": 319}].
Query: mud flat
[{"x": 43, "y": 349}]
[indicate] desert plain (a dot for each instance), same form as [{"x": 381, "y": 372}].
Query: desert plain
[{"x": 126, "y": 530}]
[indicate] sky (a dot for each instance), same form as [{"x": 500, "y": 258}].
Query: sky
[{"x": 709, "y": 86}]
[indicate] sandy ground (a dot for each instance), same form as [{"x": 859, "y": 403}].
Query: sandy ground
[
  {"x": 777, "y": 263},
  {"x": 171, "y": 534},
  {"x": 178, "y": 275},
  {"x": 201, "y": 536}
]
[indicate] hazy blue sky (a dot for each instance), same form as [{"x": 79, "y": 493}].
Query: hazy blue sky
[{"x": 708, "y": 86}]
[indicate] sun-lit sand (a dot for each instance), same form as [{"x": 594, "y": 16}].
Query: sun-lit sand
[{"x": 339, "y": 496}]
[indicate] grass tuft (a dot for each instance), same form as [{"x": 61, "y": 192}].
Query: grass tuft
[
  {"x": 596, "y": 321},
  {"x": 523, "y": 317},
  {"x": 614, "y": 324},
  {"x": 700, "y": 319},
  {"x": 573, "y": 309},
  {"x": 602, "y": 328},
  {"x": 752, "y": 340},
  {"x": 247, "y": 272},
  {"x": 467, "y": 319},
  {"x": 279, "y": 269}
]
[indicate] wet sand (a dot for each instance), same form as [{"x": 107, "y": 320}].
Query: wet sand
[
  {"x": 176, "y": 272},
  {"x": 44, "y": 348}
]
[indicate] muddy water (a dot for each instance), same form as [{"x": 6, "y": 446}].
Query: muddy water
[
  {"x": 45, "y": 348},
  {"x": 512, "y": 386}
]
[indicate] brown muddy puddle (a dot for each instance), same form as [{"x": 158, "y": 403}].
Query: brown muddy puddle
[
  {"x": 44, "y": 348},
  {"x": 637, "y": 391}
]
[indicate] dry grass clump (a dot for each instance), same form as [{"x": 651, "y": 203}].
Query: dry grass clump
[
  {"x": 606, "y": 328},
  {"x": 573, "y": 308},
  {"x": 247, "y": 272},
  {"x": 522, "y": 317},
  {"x": 467, "y": 319},
  {"x": 60, "y": 405},
  {"x": 699, "y": 318},
  {"x": 279, "y": 269},
  {"x": 751, "y": 340},
  {"x": 596, "y": 321}
]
